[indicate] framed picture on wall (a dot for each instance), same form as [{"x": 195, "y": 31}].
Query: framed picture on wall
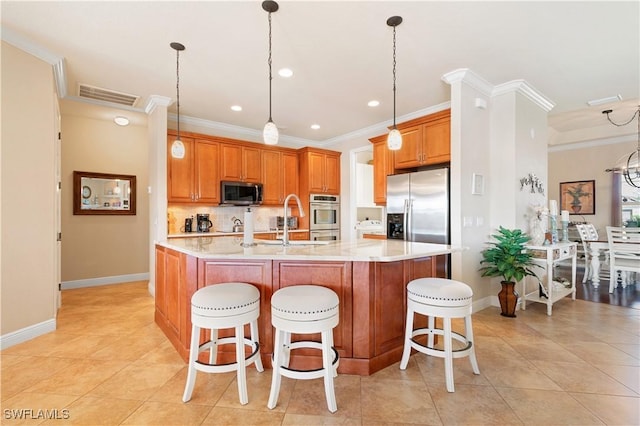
[{"x": 578, "y": 197}]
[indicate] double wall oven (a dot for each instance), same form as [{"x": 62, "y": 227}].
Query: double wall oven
[{"x": 324, "y": 220}]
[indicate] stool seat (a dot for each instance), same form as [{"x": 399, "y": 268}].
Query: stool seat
[
  {"x": 439, "y": 292},
  {"x": 446, "y": 299},
  {"x": 220, "y": 306},
  {"x": 226, "y": 299},
  {"x": 304, "y": 309}
]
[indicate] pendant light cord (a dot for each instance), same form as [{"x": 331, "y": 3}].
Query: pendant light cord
[
  {"x": 394, "y": 77},
  {"x": 269, "y": 63},
  {"x": 178, "y": 88}
]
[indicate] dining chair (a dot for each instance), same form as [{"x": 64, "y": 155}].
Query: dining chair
[
  {"x": 624, "y": 252},
  {"x": 588, "y": 232}
]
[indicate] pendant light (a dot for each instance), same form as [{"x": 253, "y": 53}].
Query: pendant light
[
  {"x": 270, "y": 132},
  {"x": 177, "y": 147},
  {"x": 394, "y": 140},
  {"x": 629, "y": 165}
]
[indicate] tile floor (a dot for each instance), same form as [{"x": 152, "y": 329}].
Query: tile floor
[{"x": 109, "y": 364}]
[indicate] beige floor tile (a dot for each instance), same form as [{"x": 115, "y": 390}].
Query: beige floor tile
[
  {"x": 309, "y": 397},
  {"x": 633, "y": 350},
  {"x": 163, "y": 353},
  {"x": 472, "y": 405},
  {"x": 258, "y": 385},
  {"x": 612, "y": 410},
  {"x": 543, "y": 407},
  {"x": 601, "y": 353},
  {"x": 82, "y": 346},
  {"x": 515, "y": 372},
  {"x": 393, "y": 372},
  {"x": 543, "y": 349},
  {"x": 30, "y": 371},
  {"x": 309, "y": 420},
  {"x": 98, "y": 411},
  {"x": 239, "y": 416},
  {"x": 33, "y": 408},
  {"x": 162, "y": 413},
  {"x": 627, "y": 375},
  {"x": 581, "y": 378},
  {"x": 397, "y": 402},
  {"x": 432, "y": 370},
  {"x": 207, "y": 390}
]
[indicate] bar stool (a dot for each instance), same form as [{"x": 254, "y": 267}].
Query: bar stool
[
  {"x": 304, "y": 309},
  {"x": 444, "y": 298},
  {"x": 223, "y": 306}
]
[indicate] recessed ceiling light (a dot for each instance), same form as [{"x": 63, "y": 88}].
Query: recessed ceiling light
[
  {"x": 601, "y": 101},
  {"x": 121, "y": 121},
  {"x": 236, "y": 108},
  {"x": 315, "y": 126},
  {"x": 373, "y": 103},
  {"x": 285, "y": 72}
]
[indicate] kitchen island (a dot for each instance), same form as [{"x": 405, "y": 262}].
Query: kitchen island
[{"x": 369, "y": 276}]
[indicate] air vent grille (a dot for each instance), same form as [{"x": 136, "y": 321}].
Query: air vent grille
[{"x": 106, "y": 95}]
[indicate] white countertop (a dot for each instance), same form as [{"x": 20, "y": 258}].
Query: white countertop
[
  {"x": 358, "y": 250},
  {"x": 224, "y": 234}
]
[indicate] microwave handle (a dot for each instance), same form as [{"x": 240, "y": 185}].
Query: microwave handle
[{"x": 258, "y": 193}]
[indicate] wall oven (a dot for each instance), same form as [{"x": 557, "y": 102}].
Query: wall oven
[
  {"x": 324, "y": 212},
  {"x": 331, "y": 235}
]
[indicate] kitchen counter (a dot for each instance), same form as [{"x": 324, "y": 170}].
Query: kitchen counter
[
  {"x": 361, "y": 250},
  {"x": 369, "y": 276},
  {"x": 225, "y": 233}
]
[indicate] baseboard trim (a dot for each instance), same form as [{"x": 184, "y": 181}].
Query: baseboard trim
[
  {"x": 94, "y": 282},
  {"x": 27, "y": 333},
  {"x": 483, "y": 303}
]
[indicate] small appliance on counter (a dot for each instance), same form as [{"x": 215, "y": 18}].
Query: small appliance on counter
[
  {"x": 370, "y": 226},
  {"x": 203, "y": 222},
  {"x": 237, "y": 225},
  {"x": 188, "y": 224}
]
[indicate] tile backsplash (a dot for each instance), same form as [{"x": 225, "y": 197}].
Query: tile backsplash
[{"x": 221, "y": 217}]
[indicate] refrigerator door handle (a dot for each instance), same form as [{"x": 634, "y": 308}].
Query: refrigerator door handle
[
  {"x": 405, "y": 220},
  {"x": 409, "y": 218}
]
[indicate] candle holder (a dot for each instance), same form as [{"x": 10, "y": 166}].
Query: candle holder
[
  {"x": 553, "y": 224},
  {"x": 565, "y": 231}
]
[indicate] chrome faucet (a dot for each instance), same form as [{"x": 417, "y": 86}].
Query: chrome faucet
[{"x": 285, "y": 225}]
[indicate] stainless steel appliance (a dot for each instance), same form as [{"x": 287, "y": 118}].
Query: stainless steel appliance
[
  {"x": 240, "y": 193},
  {"x": 324, "y": 212},
  {"x": 188, "y": 224},
  {"x": 418, "y": 209},
  {"x": 330, "y": 235},
  {"x": 203, "y": 222}
]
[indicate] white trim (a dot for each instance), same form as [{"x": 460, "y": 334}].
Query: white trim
[
  {"x": 27, "y": 333},
  {"x": 156, "y": 101},
  {"x": 484, "y": 303},
  {"x": 524, "y": 88},
  {"x": 94, "y": 282},
  {"x": 591, "y": 144},
  {"x": 470, "y": 78}
]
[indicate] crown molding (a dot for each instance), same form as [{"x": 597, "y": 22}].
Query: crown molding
[
  {"x": 527, "y": 90},
  {"x": 590, "y": 144},
  {"x": 157, "y": 101},
  {"x": 470, "y": 78}
]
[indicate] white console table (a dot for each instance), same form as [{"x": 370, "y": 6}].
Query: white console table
[{"x": 547, "y": 256}]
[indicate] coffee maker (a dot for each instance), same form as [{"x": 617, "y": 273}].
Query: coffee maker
[{"x": 203, "y": 222}]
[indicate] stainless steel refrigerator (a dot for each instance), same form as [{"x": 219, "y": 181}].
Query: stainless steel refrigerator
[{"x": 418, "y": 209}]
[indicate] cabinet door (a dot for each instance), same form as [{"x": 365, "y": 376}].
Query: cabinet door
[
  {"x": 207, "y": 173},
  {"x": 332, "y": 174},
  {"x": 230, "y": 162},
  {"x": 382, "y": 167},
  {"x": 316, "y": 172},
  {"x": 410, "y": 155},
  {"x": 161, "y": 283},
  {"x": 180, "y": 172},
  {"x": 437, "y": 146},
  {"x": 251, "y": 164},
  {"x": 290, "y": 174},
  {"x": 272, "y": 177},
  {"x": 173, "y": 289}
]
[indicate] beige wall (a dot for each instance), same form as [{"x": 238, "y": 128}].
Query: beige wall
[
  {"x": 588, "y": 162},
  {"x": 104, "y": 246},
  {"x": 28, "y": 286}
]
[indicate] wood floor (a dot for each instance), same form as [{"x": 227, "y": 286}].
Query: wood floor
[{"x": 108, "y": 363}]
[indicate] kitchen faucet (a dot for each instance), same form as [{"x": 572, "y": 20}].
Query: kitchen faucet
[{"x": 285, "y": 225}]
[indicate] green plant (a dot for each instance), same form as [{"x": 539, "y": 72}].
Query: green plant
[
  {"x": 508, "y": 258},
  {"x": 576, "y": 193},
  {"x": 634, "y": 222}
]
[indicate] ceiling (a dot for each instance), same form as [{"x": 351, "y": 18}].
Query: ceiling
[{"x": 341, "y": 56}]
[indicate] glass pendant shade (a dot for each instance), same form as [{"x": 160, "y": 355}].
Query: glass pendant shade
[
  {"x": 270, "y": 133},
  {"x": 394, "y": 140},
  {"x": 177, "y": 149}
]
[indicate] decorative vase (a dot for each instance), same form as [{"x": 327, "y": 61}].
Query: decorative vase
[
  {"x": 536, "y": 232},
  {"x": 508, "y": 297},
  {"x": 576, "y": 208}
]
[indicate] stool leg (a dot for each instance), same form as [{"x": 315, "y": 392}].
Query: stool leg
[
  {"x": 213, "y": 350},
  {"x": 327, "y": 357},
  {"x": 448, "y": 354},
  {"x": 468, "y": 332},
  {"x": 286, "y": 345},
  {"x": 334, "y": 368},
  {"x": 255, "y": 338},
  {"x": 240, "y": 363},
  {"x": 408, "y": 331},
  {"x": 277, "y": 362},
  {"x": 194, "y": 349},
  {"x": 431, "y": 323}
]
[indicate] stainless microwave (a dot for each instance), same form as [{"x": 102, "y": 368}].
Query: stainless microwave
[{"x": 240, "y": 193}]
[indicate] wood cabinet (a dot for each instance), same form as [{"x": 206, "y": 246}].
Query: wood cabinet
[
  {"x": 194, "y": 178},
  {"x": 382, "y": 167},
  {"x": 425, "y": 141},
  {"x": 319, "y": 171},
  {"x": 240, "y": 163},
  {"x": 279, "y": 176}
]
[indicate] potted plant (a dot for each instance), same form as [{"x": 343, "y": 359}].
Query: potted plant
[{"x": 507, "y": 258}]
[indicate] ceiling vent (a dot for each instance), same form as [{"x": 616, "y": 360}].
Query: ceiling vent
[{"x": 106, "y": 95}]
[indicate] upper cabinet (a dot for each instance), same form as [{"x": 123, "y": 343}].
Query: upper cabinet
[
  {"x": 319, "y": 171},
  {"x": 279, "y": 175},
  {"x": 240, "y": 163},
  {"x": 382, "y": 167},
  {"x": 425, "y": 141},
  {"x": 194, "y": 178}
]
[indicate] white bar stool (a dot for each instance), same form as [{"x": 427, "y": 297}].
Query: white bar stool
[
  {"x": 221, "y": 306},
  {"x": 444, "y": 298},
  {"x": 304, "y": 309}
]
